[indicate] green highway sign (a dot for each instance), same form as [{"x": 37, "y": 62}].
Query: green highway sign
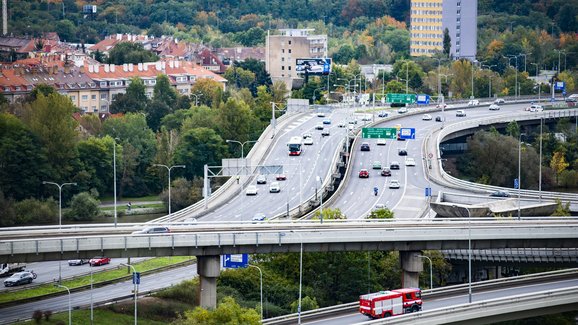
[
  {"x": 379, "y": 133},
  {"x": 401, "y": 98}
]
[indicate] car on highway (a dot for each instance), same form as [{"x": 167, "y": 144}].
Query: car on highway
[
  {"x": 319, "y": 126},
  {"x": 281, "y": 177},
  {"x": 380, "y": 142},
  {"x": 19, "y": 278},
  {"x": 77, "y": 261},
  {"x": 99, "y": 260},
  {"x": 251, "y": 190},
  {"x": 385, "y": 171},
  {"x": 409, "y": 161},
  {"x": 308, "y": 141},
  {"x": 494, "y": 107},
  {"x": 474, "y": 102},
  {"x": 274, "y": 187},
  {"x": 402, "y": 152},
  {"x": 442, "y": 105},
  {"x": 152, "y": 230},
  {"x": 535, "y": 108},
  {"x": 261, "y": 179},
  {"x": 367, "y": 118},
  {"x": 394, "y": 183},
  {"x": 499, "y": 101},
  {"x": 460, "y": 113},
  {"x": 376, "y": 164},
  {"x": 364, "y": 173},
  {"x": 500, "y": 194},
  {"x": 340, "y": 125},
  {"x": 402, "y": 110},
  {"x": 326, "y": 121},
  {"x": 258, "y": 217},
  {"x": 382, "y": 114},
  {"x": 325, "y": 132},
  {"x": 320, "y": 114},
  {"x": 439, "y": 118},
  {"x": 394, "y": 165},
  {"x": 365, "y": 146},
  {"x": 307, "y": 135},
  {"x": 378, "y": 206},
  {"x": 426, "y": 117},
  {"x": 352, "y": 122},
  {"x": 190, "y": 221}
]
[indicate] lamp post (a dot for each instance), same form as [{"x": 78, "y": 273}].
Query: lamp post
[
  {"x": 489, "y": 78},
  {"x": 558, "y": 59},
  {"x": 135, "y": 289},
  {"x": 430, "y": 270},
  {"x": 525, "y": 55},
  {"x": 169, "y": 170},
  {"x": 114, "y": 177},
  {"x": 320, "y": 197},
  {"x": 60, "y": 186},
  {"x": 69, "y": 303},
  {"x": 537, "y": 65},
  {"x": 314, "y": 97},
  {"x": 242, "y": 144},
  {"x": 261, "y": 276},
  {"x": 473, "y": 66},
  {"x": 197, "y": 98},
  {"x": 516, "y": 82},
  {"x": 300, "y": 275},
  {"x": 540, "y": 168},
  {"x": 519, "y": 171},
  {"x": 91, "y": 300}
]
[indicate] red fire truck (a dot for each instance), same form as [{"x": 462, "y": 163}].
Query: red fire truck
[{"x": 390, "y": 303}]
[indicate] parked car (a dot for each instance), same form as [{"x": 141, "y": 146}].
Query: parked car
[
  {"x": 500, "y": 194},
  {"x": 499, "y": 101},
  {"x": 152, "y": 230},
  {"x": 261, "y": 179},
  {"x": 281, "y": 177},
  {"x": 325, "y": 132},
  {"x": 474, "y": 102},
  {"x": 402, "y": 152},
  {"x": 259, "y": 217},
  {"x": 99, "y": 260},
  {"x": 365, "y": 146},
  {"x": 19, "y": 278},
  {"x": 409, "y": 161},
  {"x": 380, "y": 142},
  {"x": 460, "y": 113},
  {"x": 308, "y": 141},
  {"x": 394, "y": 165},
  {"x": 251, "y": 190},
  {"x": 439, "y": 119},
  {"x": 364, "y": 173},
  {"x": 326, "y": 121},
  {"x": 385, "y": 171},
  {"x": 426, "y": 117},
  {"x": 274, "y": 187},
  {"x": 494, "y": 107},
  {"x": 394, "y": 183},
  {"x": 78, "y": 261},
  {"x": 377, "y": 164}
]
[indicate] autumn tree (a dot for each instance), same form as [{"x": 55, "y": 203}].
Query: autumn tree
[
  {"x": 558, "y": 163},
  {"x": 227, "y": 312},
  {"x": 129, "y": 52}
]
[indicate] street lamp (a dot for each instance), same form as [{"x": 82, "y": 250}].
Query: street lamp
[
  {"x": 197, "y": 98},
  {"x": 489, "y": 78},
  {"x": 60, "y": 186},
  {"x": 135, "y": 289},
  {"x": 261, "y": 276},
  {"x": 169, "y": 170},
  {"x": 516, "y": 82},
  {"x": 539, "y": 82},
  {"x": 242, "y": 144},
  {"x": 519, "y": 170},
  {"x": 321, "y": 197},
  {"x": 300, "y": 275},
  {"x": 313, "y": 98},
  {"x": 91, "y": 301},
  {"x": 430, "y": 271},
  {"x": 69, "y": 304},
  {"x": 469, "y": 252},
  {"x": 114, "y": 176},
  {"x": 525, "y": 55}
]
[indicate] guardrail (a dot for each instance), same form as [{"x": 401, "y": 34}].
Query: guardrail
[
  {"x": 456, "y": 183},
  {"x": 351, "y": 307}
]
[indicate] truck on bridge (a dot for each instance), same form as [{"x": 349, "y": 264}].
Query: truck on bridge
[
  {"x": 7, "y": 269},
  {"x": 390, "y": 303}
]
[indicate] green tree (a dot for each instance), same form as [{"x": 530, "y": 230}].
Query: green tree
[
  {"x": 183, "y": 193},
  {"x": 227, "y": 312},
  {"x": 198, "y": 147},
  {"x": 344, "y": 54},
  {"x": 239, "y": 77},
  {"x": 129, "y": 52},
  {"x": 84, "y": 207},
  {"x": 235, "y": 120},
  {"x": 134, "y": 100},
  {"x": 210, "y": 92},
  {"x": 156, "y": 111},
  {"x": 384, "y": 213},
  {"x": 329, "y": 214},
  {"x": 447, "y": 43},
  {"x": 562, "y": 209},
  {"x": 36, "y": 212},
  {"x": 307, "y": 303},
  {"x": 513, "y": 129},
  {"x": 95, "y": 158},
  {"x": 164, "y": 92}
]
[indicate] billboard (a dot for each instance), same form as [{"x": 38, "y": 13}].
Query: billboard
[{"x": 321, "y": 66}]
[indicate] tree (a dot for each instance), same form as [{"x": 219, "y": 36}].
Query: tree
[
  {"x": 183, "y": 193},
  {"x": 210, "y": 92},
  {"x": 562, "y": 209},
  {"x": 239, "y": 77},
  {"x": 129, "y": 52},
  {"x": 513, "y": 129},
  {"x": 307, "y": 303},
  {"x": 329, "y": 214},
  {"x": 134, "y": 100},
  {"x": 447, "y": 43},
  {"x": 164, "y": 92},
  {"x": 558, "y": 163},
  {"x": 84, "y": 207},
  {"x": 227, "y": 312},
  {"x": 384, "y": 213},
  {"x": 156, "y": 111},
  {"x": 198, "y": 147},
  {"x": 95, "y": 159},
  {"x": 235, "y": 120}
]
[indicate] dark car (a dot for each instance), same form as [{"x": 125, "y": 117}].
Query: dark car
[
  {"x": 19, "y": 278},
  {"x": 439, "y": 119},
  {"x": 99, "y": 260},
  {"x": 365, "y": 146},
  {"x": 500, "y": 194},
  {"x": 261, "y": 179},
  {"x": 402, "y": 152},
  {"x": 394, "y": 165},
  {"x": 281, "y": 177},
  {"x": 382, "y": 114},
  {"x": 386, "y": 171},
  {"x": 364, "y": 173}
]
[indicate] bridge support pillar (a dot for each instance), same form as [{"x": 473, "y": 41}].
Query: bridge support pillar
[
  {"x": 208, "y": 268},
  {"x": 411, "y": 266}
]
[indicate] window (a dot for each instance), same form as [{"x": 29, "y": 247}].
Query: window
[
  {"x": 73, "y": 98},
  {"x": 289, "y": 42},
  {"x": 282, "y": 67},
  {"x": 84, "y": 97},
  {"x": 103, "y": 96},
  {"x": 289, "y": 50},
  {"x": 93, "y": 97}
]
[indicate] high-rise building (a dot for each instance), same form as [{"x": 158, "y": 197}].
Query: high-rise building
[
  {"x": 283, "y": 50},
  {"x": 429, "y": 19}
]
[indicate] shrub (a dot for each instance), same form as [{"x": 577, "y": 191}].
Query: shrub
[
  {"x": 37, "y": 316},
  {"x": 47, "y": 315}
]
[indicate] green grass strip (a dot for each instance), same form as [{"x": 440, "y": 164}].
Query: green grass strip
[
  {"x": 147, "y": 265},
  {"x": 101, "y": 317}
]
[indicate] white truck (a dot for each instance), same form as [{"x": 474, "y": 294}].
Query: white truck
[{"x": 7, "y": 269}]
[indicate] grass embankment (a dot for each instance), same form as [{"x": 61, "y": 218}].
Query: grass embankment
[
  {"x": 100, "y": 277},
  {"x": 101, "y": 317}
]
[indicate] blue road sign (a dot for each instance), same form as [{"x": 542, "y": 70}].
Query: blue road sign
[
  {"x": 423, "y": 99},
  {"x": 407, "y": 133},
  {"x": 428, "y": 191},
  {"x": 559, "y": 85},
  {"x": 136, "y": 278},
  {"x": 516, "y": 183},
  {"x": 235, "y": 261}
]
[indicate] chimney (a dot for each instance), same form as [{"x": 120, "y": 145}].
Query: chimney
[
  {"x": 140, "y": 67},
  {"x": 158, "y": 66},
  {"x": 125, "y": 67},
  {"x": 112, "y": 68},
  {"x": 90, "y": 68},
  {"x": 171, "y": 64},
  {"x": 118, "y": 37},
  {"x": 130, "y": 67},
  {"x": 145, "y": 67},
  {"x": 177, "y": 64},
  {"x": 106, "y": 68},
  {"x": 97, "y": 68}
]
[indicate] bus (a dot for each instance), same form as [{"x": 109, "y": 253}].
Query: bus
[{"x": 295, "y": 146}]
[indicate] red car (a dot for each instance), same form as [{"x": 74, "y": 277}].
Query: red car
[
  {"x": 363, "y": 173},
  {"x": 281, "y": 177},
  {"x": 99, "y": 260}
]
